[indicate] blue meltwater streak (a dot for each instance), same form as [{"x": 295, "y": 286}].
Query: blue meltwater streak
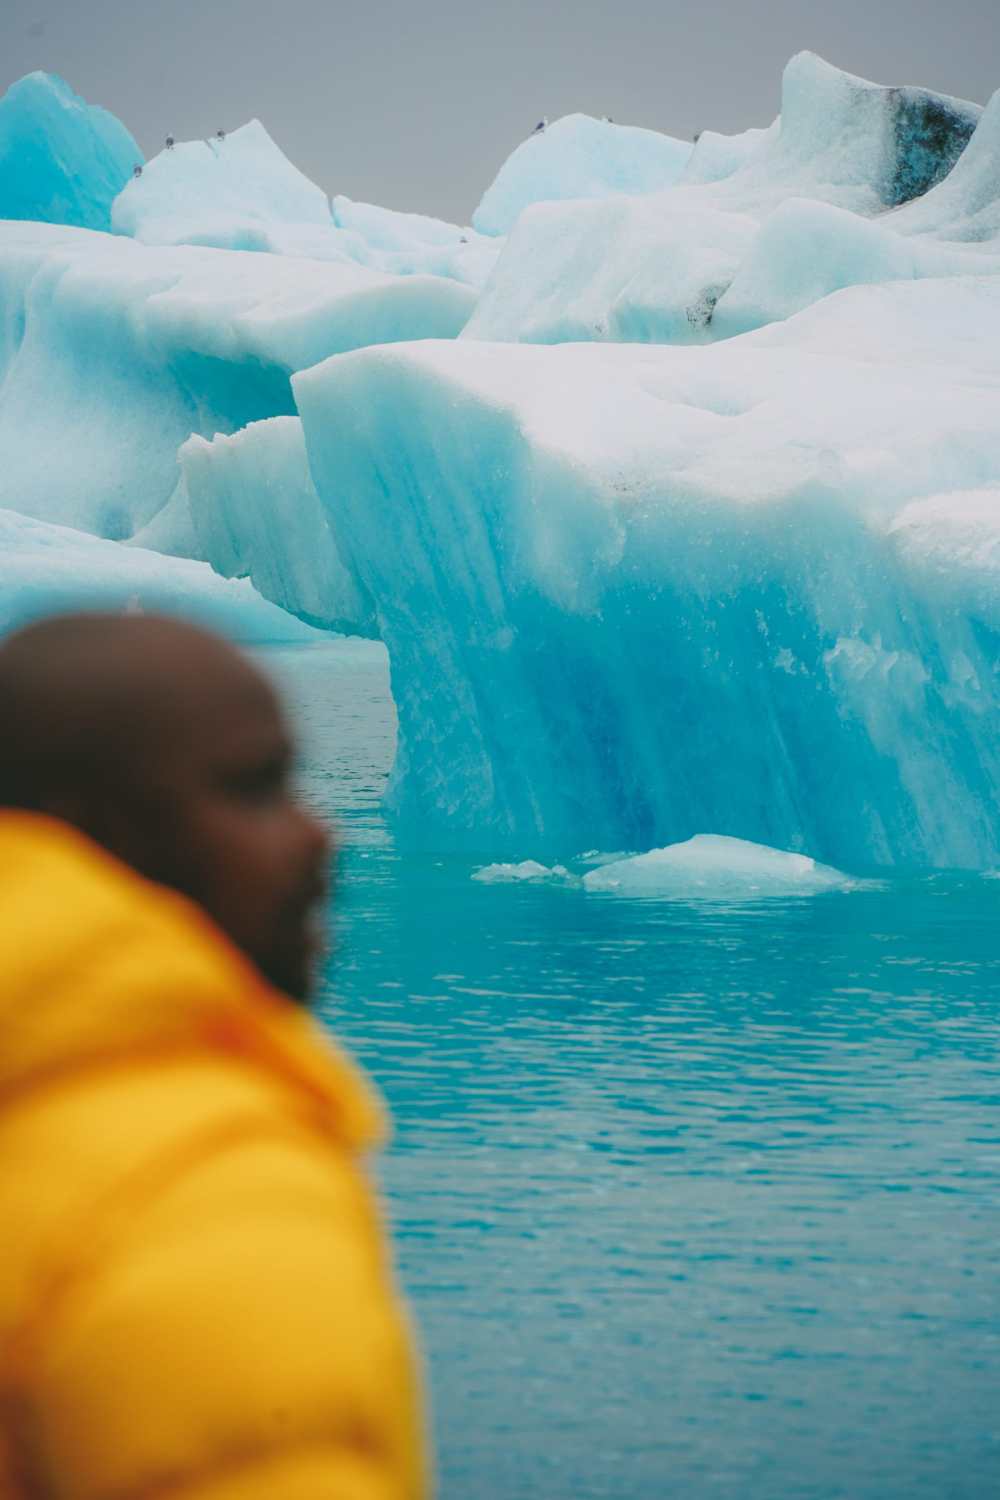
[{"x": 691, "y": 1201}]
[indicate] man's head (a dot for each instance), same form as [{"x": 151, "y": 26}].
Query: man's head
[{"x": 170, "y": 749}]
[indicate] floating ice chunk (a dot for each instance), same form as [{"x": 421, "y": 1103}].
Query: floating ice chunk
[
  {"x": 716, "y": 868},
  {"x": 218, "y": 192},
  {"x": 256, "y": 514},
  {"x": 51, "y": 570},
  {"x": 113, "y": 353},
  {"x": 528, "y": 869},
  {"x": 62, "y": 160},
  {"x": 579, "y": 157},
  {"x": 633, "y": 592}
]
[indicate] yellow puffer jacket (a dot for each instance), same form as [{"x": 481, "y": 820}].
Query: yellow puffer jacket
[{"x": 195, "y": 1299}]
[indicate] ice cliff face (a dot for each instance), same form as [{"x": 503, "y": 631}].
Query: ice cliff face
[
  {"x": 61, "y": 160},
  {"x": 255, "y": 514},
  {"x": 631, "y": 594}
]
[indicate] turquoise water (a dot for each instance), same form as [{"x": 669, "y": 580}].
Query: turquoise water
[{"x": 690, "y": 1201}]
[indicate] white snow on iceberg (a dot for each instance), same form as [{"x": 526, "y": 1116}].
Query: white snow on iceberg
[
  {"x": 223, "y": 192},
  {"x": 62, "y": 160},
  {"x": 652, "y": 268},
  {"x": 715, "y": 868},
  {"x": 579, "y": 157},
  {"x": 805, "y": 251}
]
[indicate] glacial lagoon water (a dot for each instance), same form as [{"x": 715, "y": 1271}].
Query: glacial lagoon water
[{"x": 690, "y": 1200}]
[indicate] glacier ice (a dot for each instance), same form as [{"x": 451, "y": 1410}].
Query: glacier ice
[
  {"x": 256, "y": 514},
  {"x": 579, "y": 157},
  {"x": 113, "y": 353},
  {"x": 804, "y": 250},
  {"x": 62, "y": 160},
  {"x": 220, "y": 192},
  {"x": 621, "y": 270},
  {"x": 47, "y": 569},
  {"x": 631, "y": 593},
  {"x": 710, "y": 867},
  {"x": 242, "y": 193},
  {"x": 651, "y": 268}
]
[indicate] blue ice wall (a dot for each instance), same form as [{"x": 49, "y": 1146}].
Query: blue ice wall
[
  {"x": 632, "y": 594},
  {"x": 62, "y": 160}
]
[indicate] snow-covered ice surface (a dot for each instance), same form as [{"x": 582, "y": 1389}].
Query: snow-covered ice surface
[
  {"x": 579, "y": 157},
  {"x": 62, "y": 160},
  {"x": 113, "y": 353},
  {"x": 218, "y": 192},
  {"x": 630, "y": 594},
  {"x": 806, "y": 250},
  {"x": 255, "y": 513},
  {"x": 52, "y": 569},
  {"x": 652, "y": 267},
  {"x": 714, "y": 868},
  {"x": 242, "y": 193}
]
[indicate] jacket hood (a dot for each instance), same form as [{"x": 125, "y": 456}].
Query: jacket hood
[{"x": 98, "y": 965}]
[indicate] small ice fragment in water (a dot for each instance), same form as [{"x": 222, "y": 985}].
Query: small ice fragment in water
[
  {"x": 528, "y": 869},
  {"x": 714, "y": 867}
]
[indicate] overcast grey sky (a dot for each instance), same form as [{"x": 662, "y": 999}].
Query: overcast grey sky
[{"x": 415, "y": 105}]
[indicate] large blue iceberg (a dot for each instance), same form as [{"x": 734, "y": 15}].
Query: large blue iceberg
[
  {"x": 62, "y": 161},
  {"x": 633, "y": 594}
]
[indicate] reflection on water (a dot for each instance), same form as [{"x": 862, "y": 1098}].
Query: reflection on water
[{"x": 690, "y": 1201}]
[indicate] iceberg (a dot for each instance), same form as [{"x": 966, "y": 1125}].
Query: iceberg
[
  {"x": 62, "y": 160},
  {"x": 652, "y": 268},
  {"x": 708, "y": 867},
  {"x": 113, "y": 353},
  {"x": 804, "y": 250},
  {"x": 47, "y": 569},
  {"x": 579, "y": 157},
  {"x": 631, "y": 593},
  {"x": 256, "y": 514},
  {"x": 222, "y": 192},
  {"x": 240, "y": 192}
]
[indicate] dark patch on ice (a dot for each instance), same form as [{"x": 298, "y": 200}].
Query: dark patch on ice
[
  {"x": 931, "y": 132},
  {"x": 699, "y": 313}
]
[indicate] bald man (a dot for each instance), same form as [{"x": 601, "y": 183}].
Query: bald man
[{"x": 195, "y": 1299}]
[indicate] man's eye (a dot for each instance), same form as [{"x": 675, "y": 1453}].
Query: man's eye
[{"x": 257, "y": 783}]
